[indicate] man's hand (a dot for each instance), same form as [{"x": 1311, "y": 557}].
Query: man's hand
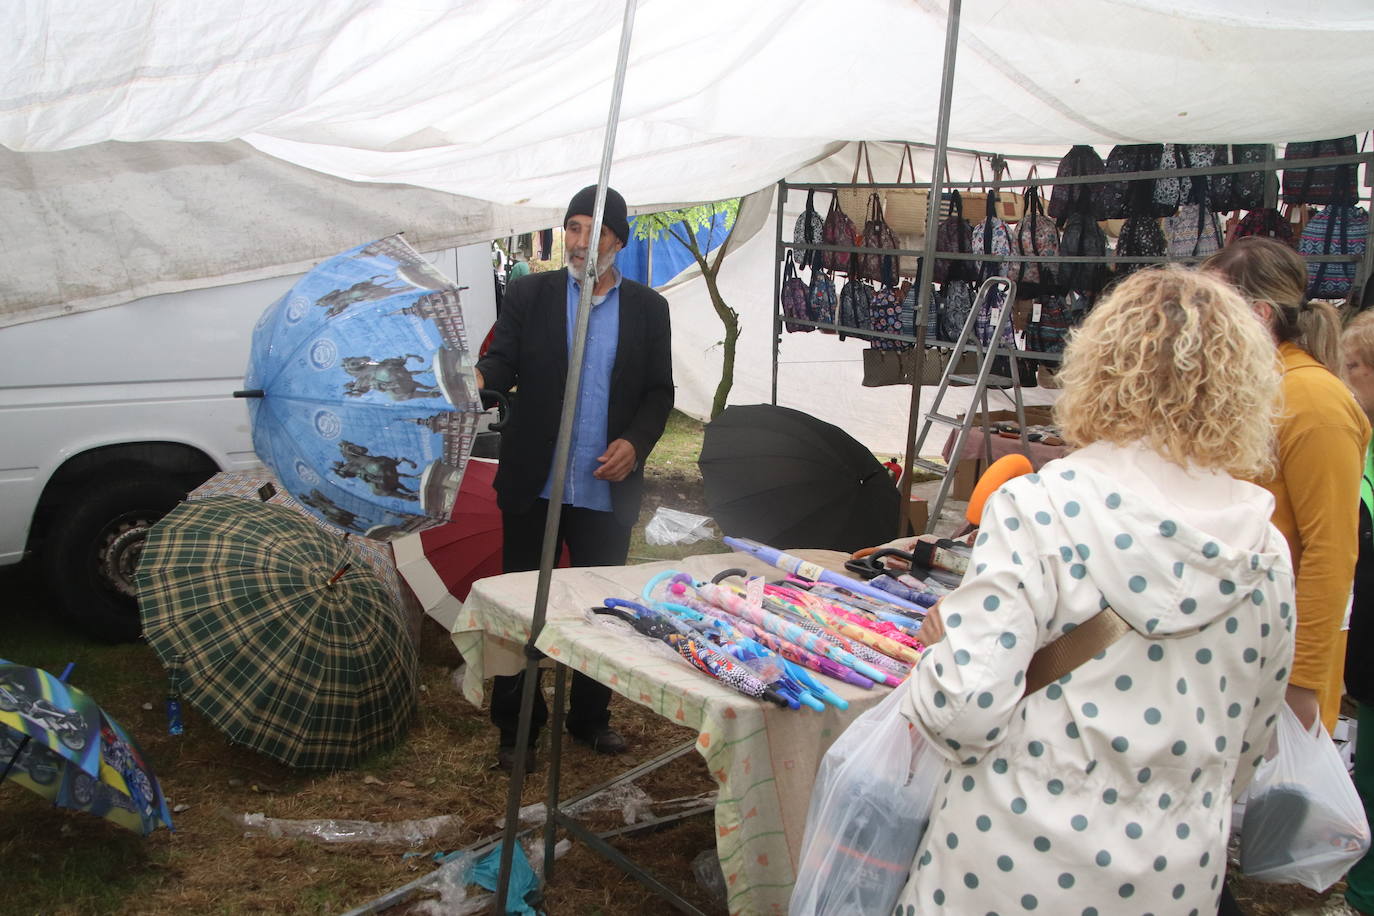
[
  {"x": 1303, "y": 702},
  {"x": 616, "y": 462}
]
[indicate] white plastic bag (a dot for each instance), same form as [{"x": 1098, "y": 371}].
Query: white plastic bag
[
  {"x": 869, "y": 808},
  {"x": 675, "y": 527},
  {"x": 1304, "y": 823}
]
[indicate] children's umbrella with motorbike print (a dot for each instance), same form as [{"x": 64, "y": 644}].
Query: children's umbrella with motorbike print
[
  {"x": 56, "y": 742},
  {"x": 363, "y": 396}
]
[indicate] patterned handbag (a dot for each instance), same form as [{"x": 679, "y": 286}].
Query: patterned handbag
[
  {"x": 1337, "y": 229},
  {"x": 1122, "y": 199},
  {"x": 1071, "y": 198},
  {"x": 1051, "y": 319},
  {"x": 987, "y": 317},
  {"x": 855, "y": 306},
  {"x": 956, "y": 301},
  {"x": 1170, "y": 193},
  {"x": 838, "y": 229},
  {"x": 820, "y": 298},
  {"x": 955, "y": 234},
  {"x": 1035, "y": 234},
  {"x": 1083, "y": 237},
  {"x": 886, "y": 315},
  {"x": 1332, "y": 184},
  {"x": 1267, "y": 222},
  {"x": 1247, "y": 188},
  {"x": 1193, "y": 232},
  {"x": 991, "y": 236},
  {"x": 808, "y": 231},
  {"x": 794, "y": 298},
  {"x": 1140, "y": 237},
  {"x": 877, "y": 234}
]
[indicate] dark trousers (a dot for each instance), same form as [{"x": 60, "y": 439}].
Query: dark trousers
[{"x": 593, "y": 539}]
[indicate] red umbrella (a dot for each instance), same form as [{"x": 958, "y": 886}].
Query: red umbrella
[{"x": 440, "y": 564}]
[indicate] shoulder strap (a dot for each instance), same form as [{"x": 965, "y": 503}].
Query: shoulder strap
[{"x": 1057, "y": 658}]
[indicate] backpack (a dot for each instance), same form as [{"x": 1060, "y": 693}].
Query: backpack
[
  {"x": 855, "y": 305},
  {"x": 1070, "y": 198},
  {"x": 877, "y": 234},
  {"x": 1140, "y": 237},
  {"x": 838, "y": 229},
  {"x": 820, "y": 298},
  {"x": 1051, "y": 319},
  {"x": 956, "y": 301},
  {"x": 1122, "y": 199},
  {"x": 991, "y": 236},
  {"x": 1247, "y": 188},
  {"x": 808, "y": 231},
  {"x": 794, "y": 298},
  {"x": 1332, "y": 184},
  {"x": 1035, "y": 234},
  {"x": 954, "y": 234},
  {"x": 1171, "y": 193},
  {"x": 886, "y": 314},
  {"x": 1083, "y": 237},
  {"x": 987, "y": 315},
  {"x": 1337, "y": 229},
  {"x": 1193, "y": 232},
  {"x": 1265, "y": 221}
]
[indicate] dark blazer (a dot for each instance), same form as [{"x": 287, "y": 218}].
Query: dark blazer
[
  {"x": 529, "y": 352},
  {"x": 1359, "y": 645}
]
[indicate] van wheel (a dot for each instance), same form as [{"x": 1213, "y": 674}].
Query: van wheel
[{"x": 92, "y": 551}]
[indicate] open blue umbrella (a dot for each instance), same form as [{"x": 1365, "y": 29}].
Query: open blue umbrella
[{"x": 364, "y": 401}]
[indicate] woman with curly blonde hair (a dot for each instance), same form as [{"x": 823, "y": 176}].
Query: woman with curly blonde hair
[
  {"x": 1321, "y": 446},
  {"x": 1110, "y": 788}
]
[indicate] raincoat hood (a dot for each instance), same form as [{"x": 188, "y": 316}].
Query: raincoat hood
[{"x": 1168, "y": 536}]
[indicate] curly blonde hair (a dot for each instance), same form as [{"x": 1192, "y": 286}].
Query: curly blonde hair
[{"x": 1175, "y": 359}]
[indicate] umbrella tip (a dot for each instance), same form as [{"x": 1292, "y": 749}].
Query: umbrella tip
[{"x": 250, "y": 393}]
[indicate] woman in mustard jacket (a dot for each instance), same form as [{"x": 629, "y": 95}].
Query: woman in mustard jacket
[{"x": 1321, "y": 447}]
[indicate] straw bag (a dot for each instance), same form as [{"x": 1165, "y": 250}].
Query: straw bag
[
  {"x": 854, "y": 199},
  {"x": 905, "y": 211},
  {"x": 1008, "y": 205}
]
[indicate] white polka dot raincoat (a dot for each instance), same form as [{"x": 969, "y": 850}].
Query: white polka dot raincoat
[{"x": 1109, "y": 791}]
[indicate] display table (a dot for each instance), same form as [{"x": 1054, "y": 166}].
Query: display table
[
  {"x": 974, "y": 448},
  {"x": 763, "y": 758}
]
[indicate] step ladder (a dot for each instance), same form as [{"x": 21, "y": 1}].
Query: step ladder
[{"x": 980, "y": 380}]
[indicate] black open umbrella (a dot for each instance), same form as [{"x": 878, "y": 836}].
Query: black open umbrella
[{"x": 783, "y": 477}]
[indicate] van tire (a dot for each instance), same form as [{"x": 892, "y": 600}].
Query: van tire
[{"x": 92, "y": 547}]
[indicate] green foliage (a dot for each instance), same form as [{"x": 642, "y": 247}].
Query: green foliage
[{"x": 661, "y": 225}]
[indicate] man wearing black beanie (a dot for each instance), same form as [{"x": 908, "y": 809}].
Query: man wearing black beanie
[{"x": 624, "y": 398}]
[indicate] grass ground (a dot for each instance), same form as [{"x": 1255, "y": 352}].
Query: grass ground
[{"x": 57, "y": 862}]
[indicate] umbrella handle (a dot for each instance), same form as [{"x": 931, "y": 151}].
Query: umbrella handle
[{"x": 491, "y": 397}]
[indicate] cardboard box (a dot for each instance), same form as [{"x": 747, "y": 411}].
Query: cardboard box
[
  {"x": 918, "y": 514},
  {"x": 966, "y": 474}
]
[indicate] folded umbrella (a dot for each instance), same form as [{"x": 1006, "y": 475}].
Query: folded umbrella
[{"x": 275, "y": 633}]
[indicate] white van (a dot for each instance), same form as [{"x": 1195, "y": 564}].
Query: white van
[{"x": 108, "y": 418}]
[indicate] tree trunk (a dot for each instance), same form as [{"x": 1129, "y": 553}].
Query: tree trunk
[{"x": 729, "y": 318}]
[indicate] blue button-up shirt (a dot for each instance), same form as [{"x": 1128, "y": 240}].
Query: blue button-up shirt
[{"x": 580, "y": 488}]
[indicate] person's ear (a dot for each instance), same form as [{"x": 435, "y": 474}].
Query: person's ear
[{"x": 1264, "y": 310}]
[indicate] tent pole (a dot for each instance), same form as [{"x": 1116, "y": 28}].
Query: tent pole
[
  {"x": 560, "y": 470},
  {"x": 778, "y": 250},
  {"x": 927, "y": 278}
]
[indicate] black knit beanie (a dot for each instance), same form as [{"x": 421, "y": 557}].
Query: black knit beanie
[{"x": 616, "y": 217}]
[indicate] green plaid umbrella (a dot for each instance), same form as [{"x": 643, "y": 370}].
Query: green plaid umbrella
[{"x": 276, "y": 633}]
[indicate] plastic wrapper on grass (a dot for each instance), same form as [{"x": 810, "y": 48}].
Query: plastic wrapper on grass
[
  {"x": 672, "y": 527},
  {"x": 398, "y": 833}
]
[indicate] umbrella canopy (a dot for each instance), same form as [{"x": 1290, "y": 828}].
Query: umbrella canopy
[
  {"x": 364, "y": 401},
  {"x": 275, "y": 633},
  {"x": 441, "y": 564},
  {"x": 781, "y": 476},
  {"x": 57, "y": 743}
]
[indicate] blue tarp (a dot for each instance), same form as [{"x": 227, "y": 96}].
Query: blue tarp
[{"x": 671, "y": 257}]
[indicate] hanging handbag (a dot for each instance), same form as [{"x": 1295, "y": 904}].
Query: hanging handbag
[
  {"x": 1193, "y": 233},
  {"x": 1170, "y": 193},
  {"x": 820, "y": 298},
  {"x": 1332, "y": 184},
  {"x": 1083, "y": 237},
  {"x": 807, "y": 232},
  {"x": 956, "y": 301},
  {"x": 1266, "y": 222},
  {"x": 1072, "y": 198},
  {"x": 877, "y": 234},
  {"x": 991, "y": 236},
  {"x": 884, "y": 367},
  {"x": 1337, "y": 229},
  {"x": 1141, "y": 237},
  {"x": 955, "y": 234},
  {"x": 885, "y": 315},
  {"x": 1135, "y": 196},
  {"x": 794, "y": 297},
  {"x": 852, "y": 197},
  {"x": 838, "y": 229},
  {"x": 1248, "y": 188},
  {"x": 855, "y": 302},
  {"x": 1035, "y": 235}
]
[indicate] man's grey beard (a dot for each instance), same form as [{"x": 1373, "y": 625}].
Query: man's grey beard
[{"x": 579, "y": 273}]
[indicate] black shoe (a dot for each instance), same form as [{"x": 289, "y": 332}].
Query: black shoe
[
  {"x": 505, "y": 759},
  {"x": 603, "y": 740}
]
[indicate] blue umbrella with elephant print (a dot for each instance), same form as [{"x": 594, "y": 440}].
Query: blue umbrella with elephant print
[{"x": 363, "y": 397}]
